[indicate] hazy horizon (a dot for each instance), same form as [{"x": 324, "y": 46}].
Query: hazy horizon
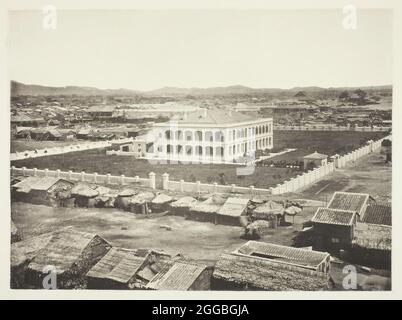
[
  {"x": 189, "y": 88},
  {"x": 149, "y": 50}
]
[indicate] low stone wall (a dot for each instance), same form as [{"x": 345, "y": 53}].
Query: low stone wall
[
  {"x": 86, "y": 177},
  {"x": 330, "y": 128},
  {"x": 65, "y": 149},
  {"x": 316, "y": 174}
]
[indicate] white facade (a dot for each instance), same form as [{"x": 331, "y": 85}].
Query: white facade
[{"x": 211, "y": 137}]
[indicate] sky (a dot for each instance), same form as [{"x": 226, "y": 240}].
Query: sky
[{"x": 146, "y": 50}]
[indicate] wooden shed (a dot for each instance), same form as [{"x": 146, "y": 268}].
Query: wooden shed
[
  {"x": 182, "y": 206},
  {"x": 140, "y": 202},
  {"x": 117, "y": 269},
  {"x": 72, "y": 254},
  {"x": 183, "y": 276},
  {"x": 333, "y": 228},
  {"x": 22, "y": 253},
  {"x": 234, "y": 272},
  {"x": 231, "y": 211},
  {"x": 40, "y": 190},
  {"x": 206, "y": 210},
  {"x": 161, "y": 203}
]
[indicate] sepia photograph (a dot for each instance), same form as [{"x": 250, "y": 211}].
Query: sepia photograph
[{"x": 200, "y": 149}]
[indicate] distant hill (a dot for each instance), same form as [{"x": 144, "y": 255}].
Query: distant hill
[{"x": 21, "y": 89}]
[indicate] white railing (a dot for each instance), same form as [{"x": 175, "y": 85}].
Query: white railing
[{"x": 86, "y": 177}]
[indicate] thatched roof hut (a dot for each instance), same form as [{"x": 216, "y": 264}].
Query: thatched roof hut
[
  {"x": 206, "y": 210},
  {"x": 22, "y": 252},
  {"x": 127, "y": 192},
  {"x": 84, "y": 194},
  {"x": 117, "y": 269},
  {"x": 40, "y": 190},
  {"x": 231, "y": 211},
  {"x": 270, "y": 211},
  {"x": 123, "y": 198},
  {"x": 139, "y": 203},
  {"x": 372, "y": 244},
  {"x": 71, "y": 253},
  {"x": 106, "y": 197},
  {"x": 183, "y": 276},
  {"x": 161, "y": 203},
  {"x": 247, "y": 273},
  {"x": 182, "y": 206}
]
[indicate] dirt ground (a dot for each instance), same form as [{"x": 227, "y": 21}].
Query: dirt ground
[
  {"x": 369, "y": 174},
  {"x": 197, "y": 240},
  {"x": 19, "y": 145}
]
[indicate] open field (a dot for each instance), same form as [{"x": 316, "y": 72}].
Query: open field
[
  {"x": 326, "y": 142},
  {"x": 19, "y": 145}
]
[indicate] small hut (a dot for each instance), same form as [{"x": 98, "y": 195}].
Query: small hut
[
  {"x": 39, "y": 190},
  {"x": 106, "y": 197},
  {"x": 270, "y": 211},
  {"x": 123, "y": 199},
  {"x": 140, "y": 202},
  {"x": 84, "y": 195},
  {"x": 117, "y": 269},
  {"x": 231, "y": 211},
  {"x": 372, "y": 245},
  {"x": 315, "y": 159},
  {"x": 183, "y": 276},
  {"x": 247, "y": 273},
  {"x": 161, "y": 203},
  {"x": 22, "y": 252},
  {"x": 72, "y": 254},
  {"x": 206, "y": 210},
  {"x": 182, "y": 206}
]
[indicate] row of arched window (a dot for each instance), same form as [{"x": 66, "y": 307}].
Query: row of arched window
[
  {"x": 190, "y": 150},
  {"x": 218, "y": 136}
]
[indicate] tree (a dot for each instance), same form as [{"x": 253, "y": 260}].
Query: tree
[
  {"x": 344, "y": 95},
  {"x": 362, "y": 94}
]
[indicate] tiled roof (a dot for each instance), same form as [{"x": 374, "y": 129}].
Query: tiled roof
[
  {"x": 214, "y": 117},
  {"x": 245, "y": 272},
  {"x": 180, "y": 276},
  {"x": 348, "y": 201},
  {"x": 334, "y": 216},
  {"x": 378, "y": 214},
  {"x": 285, "y": 254}
]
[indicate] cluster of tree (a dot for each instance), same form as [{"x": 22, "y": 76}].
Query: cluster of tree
[{"x": 281, "y": 164}]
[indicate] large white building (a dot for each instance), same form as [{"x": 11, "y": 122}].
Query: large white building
[{"x": 206, "y": 136}]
